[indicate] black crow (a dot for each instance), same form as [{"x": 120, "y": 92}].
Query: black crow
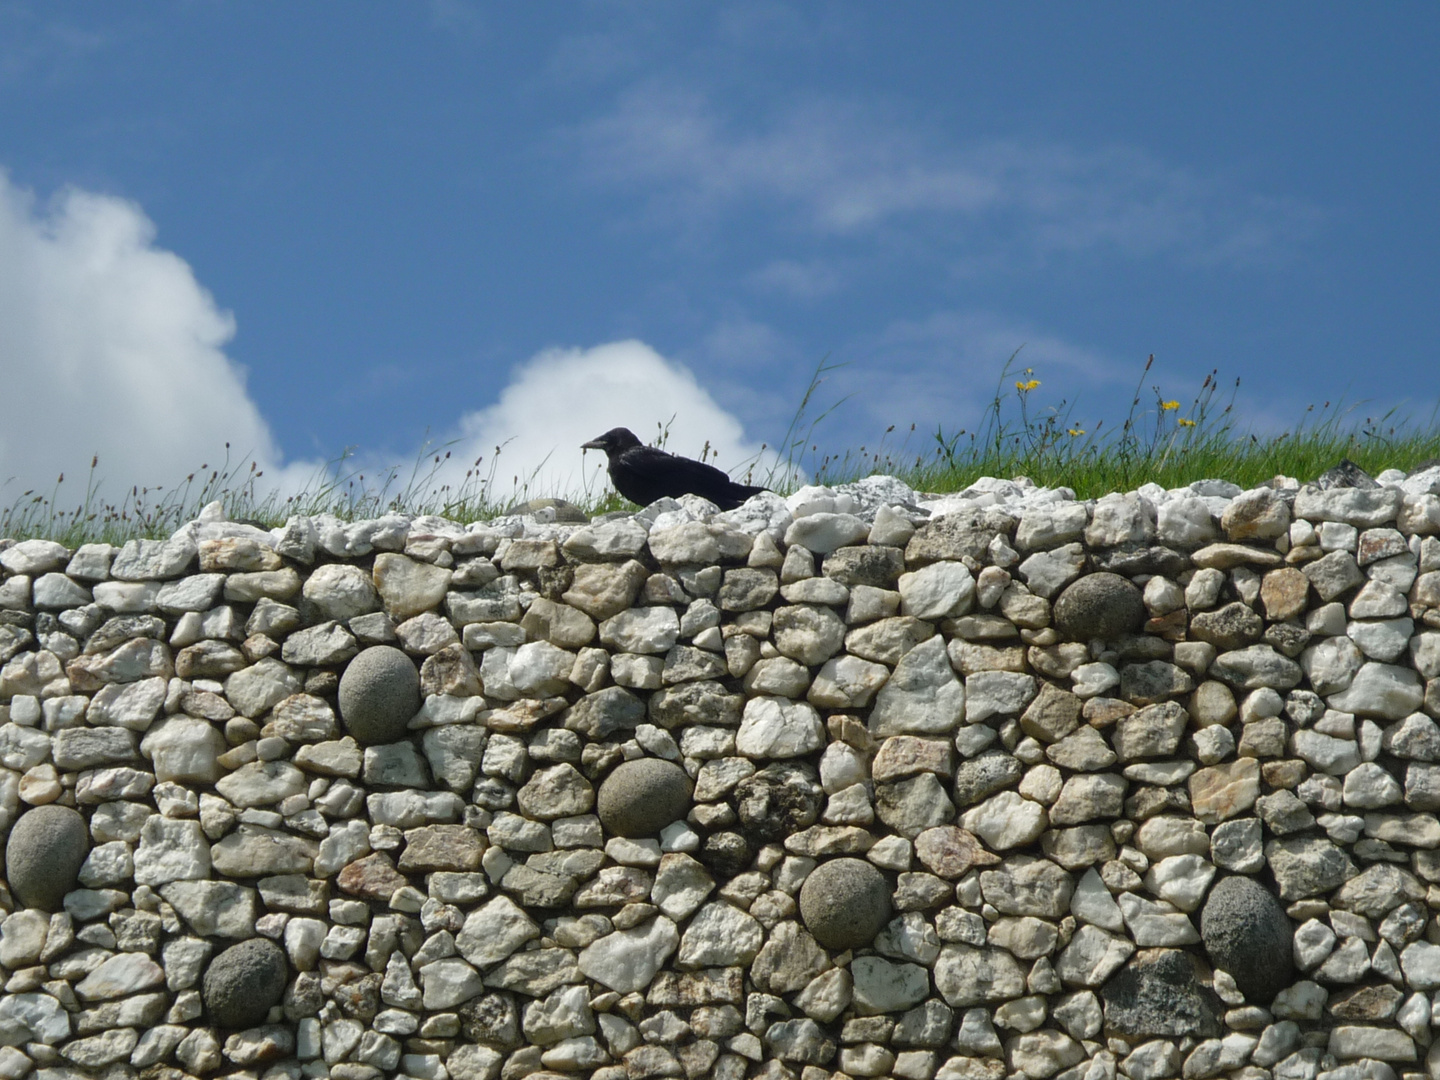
[{"x": 643, "y": 474}]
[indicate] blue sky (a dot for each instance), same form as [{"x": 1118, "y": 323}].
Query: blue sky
[{"x": 311, "y": 227}]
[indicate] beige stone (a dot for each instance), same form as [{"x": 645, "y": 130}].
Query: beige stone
[
  {"x": 1225, "y": 791},
  {"x": 237, "y": 553},
  {"x": 1284, "y": 592},
  {"x": 951, "y": 852},
  {"x": 1212, "y": 703}
]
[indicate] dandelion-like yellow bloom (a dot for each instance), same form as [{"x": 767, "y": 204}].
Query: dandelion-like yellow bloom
[
  {"x": 1075, "y": 431},
  {"x": 1169, "y": 406},
  {"x": 1024, "y": 386},
  {"x": 1185, "y": 423}
]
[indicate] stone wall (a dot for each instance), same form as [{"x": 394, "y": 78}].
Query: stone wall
[{"x": 858, "y": 782}]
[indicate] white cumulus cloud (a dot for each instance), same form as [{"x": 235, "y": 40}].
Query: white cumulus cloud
[
  {"x": 110, "y": 346},
  {"x": 563, "y": 397}
]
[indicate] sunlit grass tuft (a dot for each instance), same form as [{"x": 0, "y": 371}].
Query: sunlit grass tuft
[{"x": 1160, "y": 441}]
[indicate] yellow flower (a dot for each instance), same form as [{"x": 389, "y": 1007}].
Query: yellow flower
[
  {"x": 1169, "y": 406},
  {"x": 1075, "y": 431},
  {"x": 1185, "y": 423},
  {"x": 1026, "y": 386}
]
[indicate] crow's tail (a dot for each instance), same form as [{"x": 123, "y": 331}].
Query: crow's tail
[{"x": 737, "y": 494}]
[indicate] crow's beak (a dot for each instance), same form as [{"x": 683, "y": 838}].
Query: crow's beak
[{"x": 593, "y": 444}]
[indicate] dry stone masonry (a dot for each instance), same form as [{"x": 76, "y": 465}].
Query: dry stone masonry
[{"x": 855, "y": 783}]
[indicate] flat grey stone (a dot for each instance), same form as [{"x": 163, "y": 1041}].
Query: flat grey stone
[{"x": 1307, "y": 866}]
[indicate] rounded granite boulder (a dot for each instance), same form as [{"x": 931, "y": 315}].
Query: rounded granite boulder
[
  {"x": 243, "y": 982},
  {"x": 1247, "y": 933},
  {"x": 1102, "y": 605},
  {"x": 44, "y": 854},
  {"x": 845, "y": 903},
  {"x": 641, "y": 797},
  {"x": 379, "y": 694}
]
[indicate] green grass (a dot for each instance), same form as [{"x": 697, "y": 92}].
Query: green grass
[
  {"x": 336, "y": 488},
  {"x": 1166, "y": 442}
]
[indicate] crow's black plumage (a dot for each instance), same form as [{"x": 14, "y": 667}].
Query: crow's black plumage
[{"x": 643, "y": 474}]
